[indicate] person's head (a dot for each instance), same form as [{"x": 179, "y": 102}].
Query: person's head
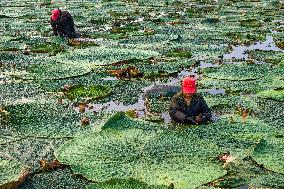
[
  {"x": 188, "y": 87},
  {"x": 55, "y": 14}
]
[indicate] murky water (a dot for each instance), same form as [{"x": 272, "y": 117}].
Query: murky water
[
  {"x": 216, "y": 91},
  {"x": 240, "y": 52}
]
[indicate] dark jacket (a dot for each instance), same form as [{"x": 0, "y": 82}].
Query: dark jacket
[
  {"x": 179, "y": 110},
  {"x": 64, "y": 25}
]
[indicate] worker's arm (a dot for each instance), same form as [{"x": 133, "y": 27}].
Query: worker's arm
[
  {"x": 54, "y": 28},
  {"x": 205, "y": 111}
]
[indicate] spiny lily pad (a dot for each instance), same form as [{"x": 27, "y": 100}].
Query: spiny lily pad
[
  {"x": 269, "y": 180},
  {"x": 47, "y": 48},
  {"x": 240, "y": 173},
  {"x": 24, "y": 90},
  {"x": 92, "y": 92},
  {"x": 180, "y": 53},
  {"x": 124, "y": 184},
  {"x": 42, "y": 117},
  {"x": 270, "y": 81},
  {"x": 239, "y": 72},
  {"x": 29, "y": 151},
  {"x": 96, "y": 77},
  {"x": 60, "y": 178},
  {"x": 271, "y": 112},
  {"x": 277, "y": 95},
  {"x": 128, "y": 92},
  {"x": 105, "y": 55},
  {"x": 250, "y": 23},
  {"x": 269, "y": 153},
  {"x": 10, "y": 173},
  {"x": 56, "y": 71},
  {"x": 120, "y": 121},
  {"x": 149, "y": 156},
  {"x": 236, "y": 134},
  {"x": 274, "y": 57}
]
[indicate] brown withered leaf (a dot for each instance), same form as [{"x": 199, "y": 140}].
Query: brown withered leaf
[
  {"x": 44, "y": 165},
  {"x": 245, "y": 115},
  {"x": 82, "y": 107},
  {"x": 85, "y": 121},
  {"x": 128, "y": 72},
  {"x": 55, "y": 164}
]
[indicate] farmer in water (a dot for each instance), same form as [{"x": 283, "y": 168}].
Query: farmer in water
[
  {"x": 62, "y": 24},
  {"x": 189, "y": 107}
]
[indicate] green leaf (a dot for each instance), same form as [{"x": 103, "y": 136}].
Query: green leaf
[
  {"x": 10, "y": 172},
  {"x": 124, "y": 184},
  {"x": 56, "y": 71},
  {"x": 277, "y": 95},
  {"x": 104, "y": 55},
  {"x": 146, "y": 155},
  {"x": 269, "y": 180},
  {"x": 270, "y": 153},
  {"x": 239, "y": 72},
  {"x": 90, "y": 92},
  {"x": 42, "y": 117}
]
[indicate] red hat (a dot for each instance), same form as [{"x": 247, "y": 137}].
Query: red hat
[
  {"x": 55, "y": 14},
  {"x": 188, "y": 85}
]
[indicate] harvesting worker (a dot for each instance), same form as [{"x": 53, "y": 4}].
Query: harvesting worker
[
  {"x": 62, "y": 24},
  {"x": 189, "y": 107}
]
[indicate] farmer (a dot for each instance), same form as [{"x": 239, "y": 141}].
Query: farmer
[
  {"x": 62, "y": 24},
  {"x": 188, "y": 107}
]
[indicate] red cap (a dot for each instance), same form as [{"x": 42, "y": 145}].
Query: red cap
[
  {"x": 188, "y": 85},
  {"x": 55, "y": 14}
]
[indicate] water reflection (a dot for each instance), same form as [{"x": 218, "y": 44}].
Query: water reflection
[
  {"x": 240, "y": 52},
  {"x": 216, "y": 91}
]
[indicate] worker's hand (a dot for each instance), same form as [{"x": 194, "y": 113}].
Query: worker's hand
[
  {"x": 190, "y": 120},
  {"x": 198, "y": 118}
]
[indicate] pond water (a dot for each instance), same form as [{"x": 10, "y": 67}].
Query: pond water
[{"x": 240, "y": 52}]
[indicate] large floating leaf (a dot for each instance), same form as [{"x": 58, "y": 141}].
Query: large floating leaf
[
  {"x": 124, "y": 184},
  {"x": 277, "y": 95},
  {"x": 120, "y": 121},
  {"x": 10, "y": 172},
  {"x": 128, "y": 92},
  {"x": 270, "y": 180},
  {"x": 92, "y": 92},
  {"x": 56, "y": 179},
  {"x": 149, "y": 156},
  {"x": 239, "y": 72},
  {"x": 246, "y": 86},
  {"x": 105, "y": 55},
  {"x": 13, "y": 91},
  {"x": 274, "y": 57},
  {"x": 56, "y": 71},
  {"x": 96, "y": 77},
  {"x": 240, "y": 173},
  {"x": 271, "y": 112},
  {"x": 44, "y": 118},
  {"x": 235, "y": 135},
  {"x": 29, "y": 151},
  {"x": 269, "y": 153}
]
